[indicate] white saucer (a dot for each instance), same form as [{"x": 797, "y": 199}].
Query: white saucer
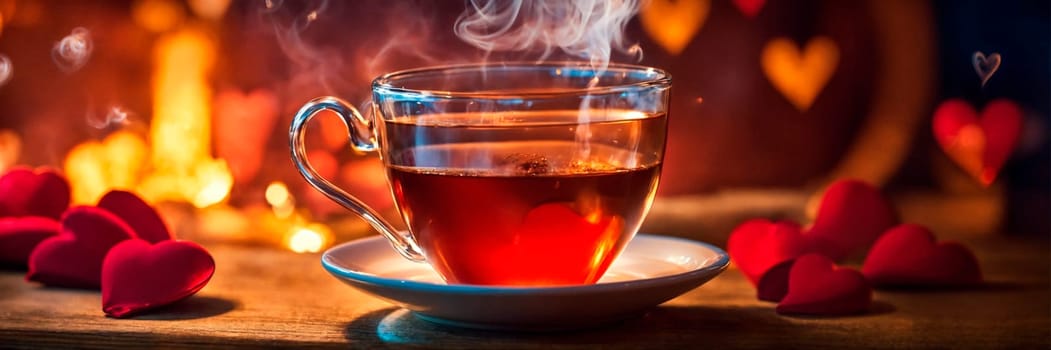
[{"x": 652, "y": 270}]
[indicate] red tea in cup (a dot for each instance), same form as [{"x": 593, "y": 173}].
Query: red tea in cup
[{"x": 510, "y": 175}]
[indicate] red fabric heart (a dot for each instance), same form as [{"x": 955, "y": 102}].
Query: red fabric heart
[
  {"x": 980, "y": 145},
  {"x": 24, "y": 192},
  {"x": 907, "y": 255},
  {"x": 138, "y": 276},
  {"x": 749, "y": 8},
  {"x": 757, "y": 245},
  {"x": 18, "y": 237},
  {"x": 852, "y": 215},
  {"x": 816, "y": 286},
  {"x": 73, "y": 258},
  {"x": 774, "y": 284},
  {"x": 140, "y": 216}
]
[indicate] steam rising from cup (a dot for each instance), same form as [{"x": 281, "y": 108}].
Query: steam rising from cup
[
  {"x": 115, "y": 116},
  {"x": 73, "y": 51},
  {"x": 587, "y": 29}
]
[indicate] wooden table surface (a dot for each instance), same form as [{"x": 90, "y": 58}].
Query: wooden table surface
[{"x": 264, "y": 297}]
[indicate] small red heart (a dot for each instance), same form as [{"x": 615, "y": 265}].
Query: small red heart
[
  {"x": 587, "y": 243},
  {"x": 18, "y": 237},
  {"x": 138, "y": 276},
  {"x": 816, "y": 286},
  {"x": 73, "y": 258},
  {"x": 980, "y": 145},
  {"x": 757, "y": 245},
  {"x": 774, "y": 284},
  {"x": 852, "y": 215},
  {"x": 749, "y": 8},
  {"x": 24, "y": 192},
  {"x": 907, "y": 255},
  {"x": 139, "y": 215}
]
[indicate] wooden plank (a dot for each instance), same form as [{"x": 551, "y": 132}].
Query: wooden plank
[{"x": 267, "y": 298}]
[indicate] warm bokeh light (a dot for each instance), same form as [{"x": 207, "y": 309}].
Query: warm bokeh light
[
  {"x": 94, "y": 168},
  {"x": 214, "y": 183},
  {"x": 277, "y": 193},
  {"x": 86, "y": 174},
  {"x": 280, "y": 199},
  {"x": 180, "y": 131},
  {"x": 800, "y": 75},
  {"x": 967, "y": 150},
  {"x": 209, "y": 9},
  {"x": 10, "y": 148},
  {"x": 672, "y": 24},
  {"x": 126, "y": 154},
  {"x": 309, "y": 239},
  {"x": 157, "y": 15}
]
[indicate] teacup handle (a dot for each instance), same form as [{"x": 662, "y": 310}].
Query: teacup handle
[{"x": 353, "y": 120}]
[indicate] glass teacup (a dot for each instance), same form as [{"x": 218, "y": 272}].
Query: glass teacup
[{"x": 516, "y": 174}]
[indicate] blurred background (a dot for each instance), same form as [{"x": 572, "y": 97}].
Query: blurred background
[{"x": 187, "y": 102}]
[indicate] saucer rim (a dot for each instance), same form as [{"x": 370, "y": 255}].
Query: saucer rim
[{"x": 716, "y": 266}]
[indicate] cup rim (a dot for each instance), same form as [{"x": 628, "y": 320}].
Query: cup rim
[{"x": 385, "y": 84}]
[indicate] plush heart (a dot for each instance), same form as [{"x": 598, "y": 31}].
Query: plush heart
[
  {"x": 907, "y": 255},
  {"x": 985, "y": 66},
  {"x": 18, "y": 237},
  {"x": 24, "y": 192},
  {"x": 73, "y": 258},
  {"x": 851, "y": 216},
  {"x": 800, "y": 75},
  {"x": 816, "y": 286},
  {"x": 774, "y": 284},
  {"x": 672, "y": 24},
  {"x": 243, "y": 124},
  {"x": 980, "y": 145},
  {"x": 139, "y": 215},
  {"x": 757, "y": 245},
  {"x": 749, "y": 8},
  {"x": 138, "y": 276}
]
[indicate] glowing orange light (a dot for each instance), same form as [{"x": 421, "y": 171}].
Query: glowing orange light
[
  {"x": 157, "y": 15},
  {"x": 209, "y": 9},
  {"x": 800, "y": 76},
  {"x": 180, "y": 133},
  {"x": 280, "y": 199},
  {"x": 672, "y": 24},
  {"x": 277, "y": 193},
  {"x": 181, "y": 127},
  {"x": 94, "y": 168},
  {"x": 10, "y": 148},
  {"x": 309, "y": 239},
  {"x": 214, "y": 182},
  {"x": 967, "y": 150}
]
